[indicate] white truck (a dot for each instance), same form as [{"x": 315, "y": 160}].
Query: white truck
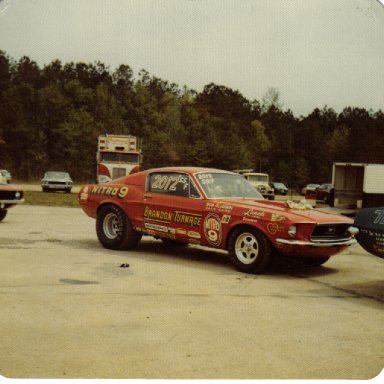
[
  {"x": 358, "y": 185},
  {"x": 258, "y": 180},
  {"x": 117, "y": 156}
]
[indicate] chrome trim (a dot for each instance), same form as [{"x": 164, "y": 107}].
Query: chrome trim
[
  {"x": 19, "y": 201},
  {"x": 317, "y": 244}
]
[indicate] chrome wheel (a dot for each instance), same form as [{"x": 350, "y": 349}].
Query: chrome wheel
[
  {"x": 111, "y": 226},
  {"x": 249, "y": 249},
  {"x": 246, "y": 248}
]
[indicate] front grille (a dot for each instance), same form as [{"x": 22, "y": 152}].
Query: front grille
[
  {"x": 57, "y": 182},
  {"x": 330, "y": 231},
  {"x": 10, "y": 195},
  {"x": 118, "y": 172}
]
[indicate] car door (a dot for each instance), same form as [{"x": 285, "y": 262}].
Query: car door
[{"x": 172, "y": 207}]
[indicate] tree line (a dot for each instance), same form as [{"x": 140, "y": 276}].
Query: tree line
[{"x": 50, "y": 119}]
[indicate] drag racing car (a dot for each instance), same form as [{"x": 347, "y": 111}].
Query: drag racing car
[
  {"x": 214, "y": 208},
  {"x": 9, "y": 197}
]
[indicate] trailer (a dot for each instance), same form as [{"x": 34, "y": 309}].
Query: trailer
[{"x": 358, "y": 185}]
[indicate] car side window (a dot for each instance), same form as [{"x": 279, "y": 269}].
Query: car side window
[{"x": 172, "y": 183}]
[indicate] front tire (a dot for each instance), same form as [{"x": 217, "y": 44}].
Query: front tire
[
  {"x": 3, "y": 213},
  {"x": 249, "y": 250},
  {"x": 114, "y": 229}
]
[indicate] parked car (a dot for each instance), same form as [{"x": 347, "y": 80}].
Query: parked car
[
  {"x": 213, "y": 208},
  {"x": 370, "y": 225},
  {"x": 309, "y": 187},
  {"x": 324, "y": 192},
  {"x": 5, "y": 175},
  {"x": 9, "y": 197},
  {"x": 56, "y": 181},
  {"x": 280, "y": 188}
]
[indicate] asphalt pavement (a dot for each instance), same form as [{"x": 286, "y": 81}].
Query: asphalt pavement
[{"x": 72, "y": 309}]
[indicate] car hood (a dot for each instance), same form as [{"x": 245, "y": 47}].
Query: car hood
[
  {"x": 299, "y": 213},
  {"x": 60, "y": 179}
]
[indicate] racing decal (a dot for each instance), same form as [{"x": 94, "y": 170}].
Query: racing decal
[
  {"x": 160, "y": 230},
  {"x": 156, "y": 227},
  {"x": 212, "y": 229},
  {"x": 187, "y": 218},
  {"x": 194, "y": 241},
  {"x": 225, "y": 208},
  {"x": 225, "y": 219},
  {"x": 156, "y": 215},
  {"x": 181, "y": 231},
  {"x": 194, "y": 235},
  {"x": 277, "y": 217},
  {"x": 253, "y": 216},
  {"x": 168, "y": 182},
  {"x": 191, "y": 219},
  {"x": 84, "y": 194},
  {"x": 105, "y": 190},
  {"x": 205, "y": 178},
  {"x": 273, "y": 228}
]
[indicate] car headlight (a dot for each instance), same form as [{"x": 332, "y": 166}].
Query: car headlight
[
  {"x": 353, "y": 231},
  {"x": 292, "y": 230},
  {"x": 18, "y": 195}
]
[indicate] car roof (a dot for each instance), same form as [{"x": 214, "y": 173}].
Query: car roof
[{"x": 188, "y": 170}]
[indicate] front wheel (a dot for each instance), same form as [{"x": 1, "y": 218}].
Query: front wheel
[
  {"x": 3, "y": 213},
  {"x": 249, "y": 250},
  {"x": 114, "y": 229}
]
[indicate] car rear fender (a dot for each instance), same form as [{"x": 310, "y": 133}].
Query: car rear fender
[{"x": 109, "y": 202}]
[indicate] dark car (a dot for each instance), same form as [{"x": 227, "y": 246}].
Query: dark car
[
  {"x": 324, "y": 192},
  {"x": 9, "y": 197},
  {"x": 280, "y": 188},
  {"x": 56, "y": 181}
]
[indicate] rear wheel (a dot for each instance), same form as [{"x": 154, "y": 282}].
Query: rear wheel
[
  {"x": 114, "y": 229},
  {"x": 249, "y": 250},
  {"x": 3, "y": 213}
]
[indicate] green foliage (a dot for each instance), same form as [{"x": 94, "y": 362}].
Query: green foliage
[{"x": 50, "y": 119}]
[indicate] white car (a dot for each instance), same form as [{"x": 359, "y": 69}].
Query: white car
[
  {"x": 5, "y": 176},
  {"x": 56, "y": 181}
]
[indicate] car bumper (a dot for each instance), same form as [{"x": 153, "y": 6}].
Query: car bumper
[
  {"x": 8, "y": 203},
  {"x": 317, "y": 244}
]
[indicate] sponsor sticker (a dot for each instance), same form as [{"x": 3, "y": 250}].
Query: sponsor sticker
[
  {"x": 277, "y": 217},
  {"x": 212, "y": 229}
]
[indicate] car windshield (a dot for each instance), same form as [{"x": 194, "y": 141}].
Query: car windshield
[
  {"x": 117, "y": 157},
  {"x": 216, "y": 185},
  {"x": 279, "y": 185},
  {"x": 253, "y": 178},
  {"x": 57, "y": 175}
]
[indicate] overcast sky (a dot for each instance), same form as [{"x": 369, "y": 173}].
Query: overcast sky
[{"x": 315, "y": 52}]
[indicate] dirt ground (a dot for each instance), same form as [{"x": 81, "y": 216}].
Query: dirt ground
[{"x": 72, "y": 309}]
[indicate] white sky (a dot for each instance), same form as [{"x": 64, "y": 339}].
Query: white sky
[{"x": 315, "y": 52}]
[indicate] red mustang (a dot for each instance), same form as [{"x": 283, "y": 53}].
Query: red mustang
[{"x": 213, "y": 208}]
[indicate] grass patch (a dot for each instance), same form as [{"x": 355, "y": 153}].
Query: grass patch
[{"x": 54, "y": 199}]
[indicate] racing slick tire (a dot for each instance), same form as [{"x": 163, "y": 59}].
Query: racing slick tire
[
  {"x": 114, "y": 230},
  {"x": 3, "y": 213},
  {"x": 249, "y": 250}
]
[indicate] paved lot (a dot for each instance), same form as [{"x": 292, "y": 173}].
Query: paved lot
[{"x": 69, "y": 309}]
